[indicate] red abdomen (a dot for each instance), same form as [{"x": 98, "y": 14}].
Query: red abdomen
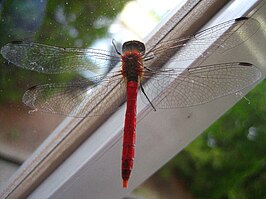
[{"x": 129, "y": 131}]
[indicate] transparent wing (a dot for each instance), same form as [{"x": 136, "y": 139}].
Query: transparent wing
[
  {"x": 225, "y": 36},
  {"x": 76, "y": 99},
  {"x": 175, "y": 87},
  {"x": 50, "y": 59},
  {"x": 199, "y": 84}
]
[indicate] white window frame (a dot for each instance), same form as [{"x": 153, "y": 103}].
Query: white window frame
[{"x": 93, "y": 168}]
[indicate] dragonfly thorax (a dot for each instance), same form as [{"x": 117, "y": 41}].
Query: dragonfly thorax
[{"x": 132, "y": 65}]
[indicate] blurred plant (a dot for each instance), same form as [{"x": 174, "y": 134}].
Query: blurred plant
[{"x": 228, "y": 160}]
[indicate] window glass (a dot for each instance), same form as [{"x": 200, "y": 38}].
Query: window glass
[{"x": 80, "y": 24}]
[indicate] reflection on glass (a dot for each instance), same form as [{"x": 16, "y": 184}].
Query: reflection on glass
[{"x": 61, "y": 23}]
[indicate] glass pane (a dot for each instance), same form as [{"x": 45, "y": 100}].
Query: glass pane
[{"x": 62, "y": 23}]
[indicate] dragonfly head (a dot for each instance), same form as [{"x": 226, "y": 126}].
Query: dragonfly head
[{"x": 133, "y": 45}]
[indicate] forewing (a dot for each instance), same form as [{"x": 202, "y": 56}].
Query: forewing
[
  {"x": 219, "y": 38},
  {"x": 50, "y": 59}
]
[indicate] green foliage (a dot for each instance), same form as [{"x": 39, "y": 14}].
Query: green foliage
[
  {"x": 228, "y": 160},
  {"x": 77, "y": 23}
]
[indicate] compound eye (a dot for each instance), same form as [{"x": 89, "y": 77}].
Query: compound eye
[{"x": 133, "y": 45}]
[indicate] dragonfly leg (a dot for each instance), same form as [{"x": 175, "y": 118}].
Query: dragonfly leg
[
  {"x": 143, "y": 91},
  {"x": 113, "y": 42}
]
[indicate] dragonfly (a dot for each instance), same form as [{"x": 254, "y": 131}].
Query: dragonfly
[{"x": 172, "y": 87}]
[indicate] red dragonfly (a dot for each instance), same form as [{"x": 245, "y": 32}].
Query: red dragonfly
[{"x": 169, "y": 87}]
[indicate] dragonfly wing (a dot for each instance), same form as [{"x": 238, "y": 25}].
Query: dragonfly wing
[
  {"x": 50, "y": 59},
  {"x": 76, "y": 99},
  {"x": 219, "y": 38},
  {"x": 201, "y": 84}
]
